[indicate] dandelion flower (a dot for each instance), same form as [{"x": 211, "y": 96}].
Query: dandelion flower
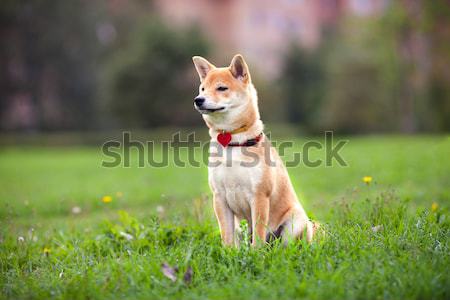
[
  {"x": 367, "y": 179},
  {"x": 46, "y": 251},
  {"x": 434, "y": 207},
  {"x": 106, "y": 199},
  {"x": 21, "y": 239}
]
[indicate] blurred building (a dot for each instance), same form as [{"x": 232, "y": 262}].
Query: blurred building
[{"x": 262, "y": 30}]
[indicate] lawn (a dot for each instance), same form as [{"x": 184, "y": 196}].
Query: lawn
[{"x": 385, "y": 240}]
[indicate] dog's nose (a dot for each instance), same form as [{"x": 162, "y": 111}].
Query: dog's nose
[{"x": 199, "y": 101}]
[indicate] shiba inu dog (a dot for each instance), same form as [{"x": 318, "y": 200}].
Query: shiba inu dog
[{"x": 246, "y": 175}]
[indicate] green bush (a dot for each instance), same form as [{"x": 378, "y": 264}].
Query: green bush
[
  {"x": 302, "y": 84},
  {"x": 374, "y": 74},
  {"x": 150, "y": 81}
]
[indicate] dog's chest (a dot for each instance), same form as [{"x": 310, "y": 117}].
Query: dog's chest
[{"x": 235, "y": 177}]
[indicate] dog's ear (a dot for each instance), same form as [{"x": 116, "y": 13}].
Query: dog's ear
[
  {"x": 239, "y": 68},
  {"x": 202, "y": 66}
]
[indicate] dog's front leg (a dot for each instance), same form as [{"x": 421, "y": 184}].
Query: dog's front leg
[
  {"x": 260, "y": 218},
  {"x": 225, "y": 217}
]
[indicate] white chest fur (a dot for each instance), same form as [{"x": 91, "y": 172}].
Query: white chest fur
[{"x": 235, "y": 177}]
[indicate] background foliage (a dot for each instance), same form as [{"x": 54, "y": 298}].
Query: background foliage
[
  {"x": 85, "y": 66},
  {"x": 148, "y": 80}
]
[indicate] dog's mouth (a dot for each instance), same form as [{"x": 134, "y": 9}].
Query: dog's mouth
[{"x": 209, "y": 110}]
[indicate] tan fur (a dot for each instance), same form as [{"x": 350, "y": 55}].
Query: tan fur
[{"x": 262, "y": 194}]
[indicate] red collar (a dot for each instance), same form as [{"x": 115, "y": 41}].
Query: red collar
[
  {"x": 225, "y": 138},
  {"x": 248, "y": 143}
]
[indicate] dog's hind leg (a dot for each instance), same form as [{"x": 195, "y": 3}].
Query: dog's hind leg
[
  {"x": 274, "y": 235},
  {"x": 295, "y": 225}
]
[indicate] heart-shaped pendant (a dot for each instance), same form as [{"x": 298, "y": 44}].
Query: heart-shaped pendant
[{"x": 224, "y": 138}]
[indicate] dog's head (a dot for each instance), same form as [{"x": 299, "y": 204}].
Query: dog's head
[{"x": 224, "y": 93}]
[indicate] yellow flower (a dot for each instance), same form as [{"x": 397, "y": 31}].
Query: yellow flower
[
  {"x": 46, "y": 251},
  {"x": 434, "y": 207},
  {"x": 367, "y": 179},
  {"x": 106, "y": 199},
  {"x": 119, "y": 194}
]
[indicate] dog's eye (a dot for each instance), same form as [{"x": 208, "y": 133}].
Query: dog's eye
[
  {"x": 203, "y": 89},
  {"x": 222, "y": 88}
]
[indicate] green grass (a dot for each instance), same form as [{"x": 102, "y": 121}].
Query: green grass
[{"x": 90, "y": 256}]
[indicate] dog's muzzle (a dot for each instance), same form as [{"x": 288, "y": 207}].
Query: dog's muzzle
[
  {"x": 199, "y": 104},
  {"x": 198, "y": 101}
]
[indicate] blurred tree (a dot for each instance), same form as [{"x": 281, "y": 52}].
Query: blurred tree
[
  {"x": 436, "y": 25},
  {"x": 362, "y": 74},
  {"x": 302, "y": 84},
  {"x": 48, "y": 49},
  {"x": 386, "y": 73},
  {"x": 149, "y": 82},
  {"x": 420, "y": 31},
  {"x": 401, "y": 24}
]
